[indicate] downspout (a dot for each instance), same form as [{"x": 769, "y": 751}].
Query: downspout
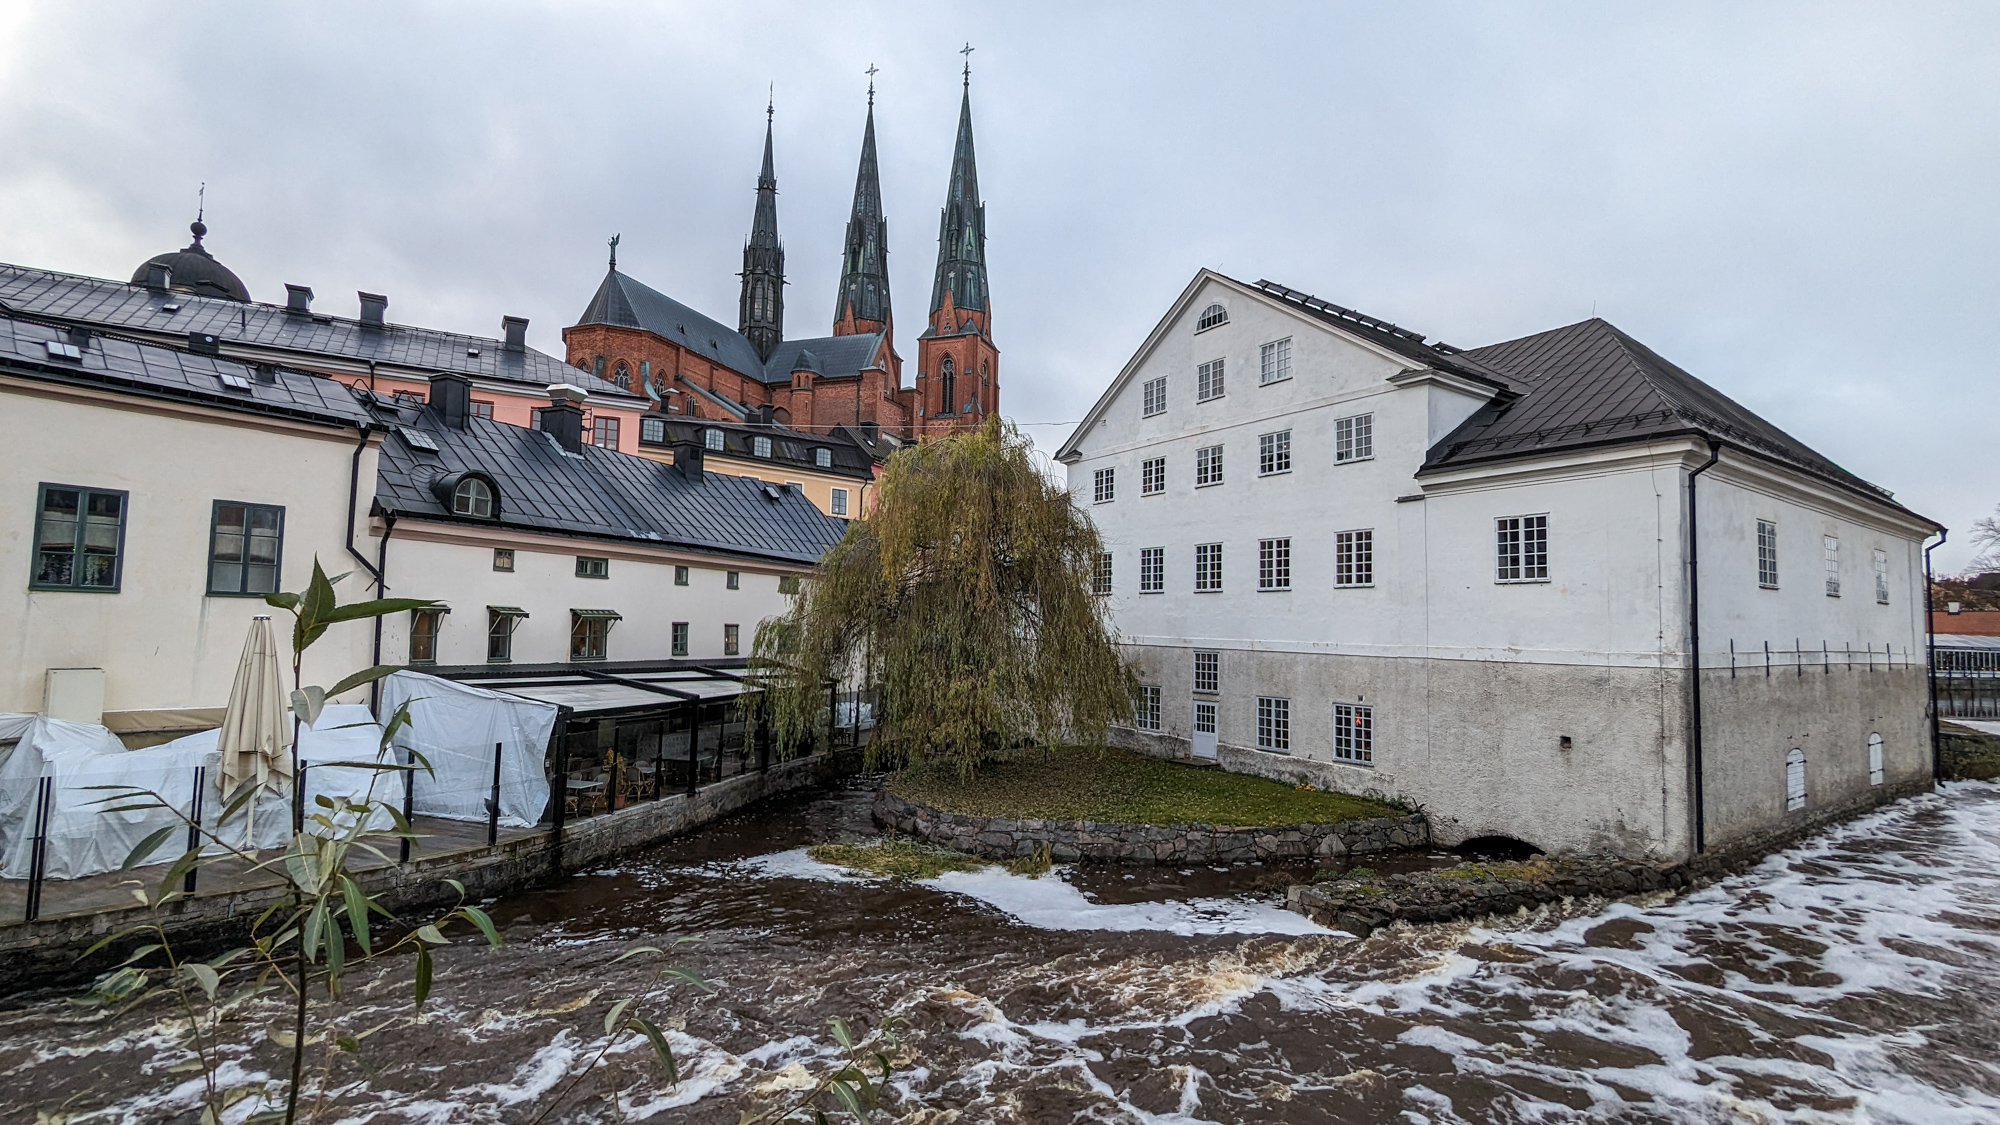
[
  {"x": 381, "y": 570},
  {"x": 1694, "y": 653},
  {"x": 353, "y": 503},
  {"x": 1930, "y": 654}
]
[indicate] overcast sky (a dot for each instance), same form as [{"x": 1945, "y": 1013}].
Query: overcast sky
[{"x": 1795, "y": 202}]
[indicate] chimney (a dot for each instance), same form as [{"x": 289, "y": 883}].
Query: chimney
[
  {"x": 451, "y": 397},
  {"x": 514, "y": 331},
  {"x": 158, "y": 276},
  {"x": 687, "y": 458},
  {"x": 562, "y": 419},
  {"x": 298, "y": 298},
  {"x": 373, "y": 305},
  {"x": 1952, "y": 608},
  {"x": 765, "y": 413},
  {"x": 870, "y": 429}
]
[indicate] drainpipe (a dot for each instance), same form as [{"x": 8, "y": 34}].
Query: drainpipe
[
  {"x": 1930, "y": 655},
  {"x": 353, "y": 502},
  {"x": 381, "y": 570},
  {"x": 1694, "y": 652}
]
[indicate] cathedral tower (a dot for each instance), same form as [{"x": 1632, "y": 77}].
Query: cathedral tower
[
  {"x": 863, "y": 304},
  {"x": 761, "y": 317},
  {"x": 958, "y": 368}
]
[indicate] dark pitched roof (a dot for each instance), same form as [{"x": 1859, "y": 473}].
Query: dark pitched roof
[
  {"x": 864, "y": 258},
  {"x": 157, "y": 372},
  {"x": 1402, "y": 341},
  {"x": 597, "y": 494},
  {"x": 835, "y": 356},
  {"x": 788, "y": 447},
  {"x": 961, "y": 260},
  {"x": 137, "y": 310},
  {"x": 625, "y": 303},
  {"x": 1591, "y": 384}
]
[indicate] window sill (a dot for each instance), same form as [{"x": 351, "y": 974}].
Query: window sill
[
  {"x": 1152, "y": 591},
  {"x": 1208, "y": 591},
  {"x": 1155, "y": 492},
  {"x": 1352, "y": 763},
  {"x": 232, "y": 594},
  {"x": 1521, "y": 581},
  {"x": 1766, "y": 586},
  {"x": 499, "y": 660},
  {"x": 1274, "y": 382},
  {"x": 1210, "y": 484},
  {"x": 74, "y": 589},
  {"x": 1268, "y": 750},
  {"x": 1353, "y": 460},
  {"x": 1113, "y": 500},
  {"x": 586, "y": 659},
  {"x": 1275, "y": 473},
  {"x": 1154, "y": 414},
  {"x": 1274, "y": 589},
  {"x": 1369, "y": 585},
  {"x": 1211, "y": 398}
]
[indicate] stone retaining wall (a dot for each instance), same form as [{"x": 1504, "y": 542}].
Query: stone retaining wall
[{"x": 1069, "y": 840}]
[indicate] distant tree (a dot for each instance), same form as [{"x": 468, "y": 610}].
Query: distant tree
[
  {"x": 965, "y": 595},
  {"x": 1986, "y": 537}
]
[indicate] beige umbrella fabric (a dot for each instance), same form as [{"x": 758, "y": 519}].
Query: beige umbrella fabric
[{"x": 256, "y": 729}]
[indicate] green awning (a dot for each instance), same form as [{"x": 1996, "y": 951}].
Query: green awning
[
  {"x": 506, "y": 611},
  {"x": 596, "y": 614}
]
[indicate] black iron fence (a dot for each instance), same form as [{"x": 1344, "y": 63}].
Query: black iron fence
[{"x": 1967, "y": 682}]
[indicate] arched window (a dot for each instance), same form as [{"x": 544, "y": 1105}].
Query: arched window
[
  {"x": 1795, "y": 780},
  {"x": 597, "y": 366},
  {"x": 622, "y": 375},
  {"x": 1211, "y": 316},
  {"x": 1877, "y": 771},
  {"x": 473, "y": 497},
  {"x": 945, "y": 381}
]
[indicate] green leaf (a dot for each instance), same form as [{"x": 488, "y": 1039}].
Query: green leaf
[
  {"x": 336, "y": 955},
  {"x": 365, "y": 676},
  {"x": 148, "y": 846},
  {"x": 423, "y": 987},
  {"x": 456, "y": 886},
  {"x": 660, "y": 1048},
  {"x": 176, "y": 873},
  {"x": 611, "y": 1017},
  {"x": 380, "y": 607},
  {"x": 848, "y": 1096},
  {"x": 313, "y": 610},
  {"x": 315, "y": 924},
  {"x": 689, "y": 977},
  {"x": 483, "y": 921},
  {"x": 243, "y": 795},
  {"x": 142, "y": 953},
  {"x": 635, "y": 951},
  {"x": 289, "y": 602},
  {"x": 307, "y": 703},
  {"x": 208, "y": 979},
  {"x": 357, "y": 913},
  {"x": 429, "y": 933},
  {"x": 841, "y": 1034},
  {"x": 348, "y": 1043}
]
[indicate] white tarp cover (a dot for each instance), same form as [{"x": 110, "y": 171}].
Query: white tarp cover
[
  {"x": 345, "y": 732},
  {"x": 455, "y": 727}
]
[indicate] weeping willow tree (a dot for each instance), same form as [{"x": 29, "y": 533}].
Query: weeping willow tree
[{"x": 965, "y": 597}]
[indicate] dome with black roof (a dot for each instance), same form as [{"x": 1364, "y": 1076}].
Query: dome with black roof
[{"x": 195, "y": 270}]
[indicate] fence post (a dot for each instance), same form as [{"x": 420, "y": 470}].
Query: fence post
[
  {"x": 409, "y": 801},
  {"x": 194, "y": 824},
  {"x": 38, "y": 855},
  {"x": 493, "y": 803},
  {"x": 694, "y": 748}
]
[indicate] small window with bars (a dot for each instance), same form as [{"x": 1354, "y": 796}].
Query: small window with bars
[
  {"x": 1207, "y": 567},
  {"x": 1155, "y": 396},
  {"x": 1211, "y": 317},
  {"x": 1104, "y": 486},
  {"x": 1881, "y": 577},
  {"x": 1767, "y": 554},
  {"x": 1274, "y": 453},
  {"x": 1274, "y": 724},
  {"x": 1147, "y": 715},
  {"x": 1207, "y": 466},
  {"x": 1208, "y": 673},
  {"x": 1275, "y": 362},
  {"x": 1274, "y": 564},
  {"x": 1353, "y": 438},
  {"x": 1208, "y": 381},
  {"x": 1830, "y": 546},
  {"x": 1100, "y": 575},
  {"x": 1152, "y": 476},
  {"x": 1522, "y": 553},
  {"x": 1354, "y": 558},
  {"x": 1152, "y": 570},
  {"x": 1354, "y": 733}
]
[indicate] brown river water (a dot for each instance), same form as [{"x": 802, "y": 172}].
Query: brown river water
[{"x": 1854, "y": 978}]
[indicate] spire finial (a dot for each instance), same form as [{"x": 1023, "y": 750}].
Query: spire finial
[
  {"x": 200, "y": 208},
  {"x": 967, "y": 52},
  {"x": 770, "y": 102},
  {"x": 614, "y": 253},
  {"x": 870, "y": 72}
]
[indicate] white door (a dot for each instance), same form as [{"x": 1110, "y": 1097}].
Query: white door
[
  {"x": 1876, "y": 775},
  {"x": 1204, "y": 729},
  {"x": 1795, "y": 780}
]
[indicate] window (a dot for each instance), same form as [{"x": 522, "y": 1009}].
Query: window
[
  {"x": 1274, "y": 564},
  {"x": 1353, "y": 438},
  {"x": 1767, "y": 554},
  {"x": 1147, "y": 716},
  {"x": 1152, "y": 570},
  {"x": 1354, "y": 558},
  {"x": 712, "y": 438},
  {"x": 1876, "y": 771},
  {"x": 788, "y": 583},
  {"x": 1795, "y": 779},
  {"x": 1274, "y": 453},
  {"x": 1831, "y": 547},
  {"x": 244, "y": 542},
  {"x": 839, "y": 502},
  {"x": 760, "y": 446},
  {"x": 823, "y": 458},
  {"x": 590, "y": 633},
  {"x": 589, "y": 567},
  {"x": 604, "y": 432},
  {"x": 482, "y": 409},
  {"x": 1100, "y": 574},
  {"x": 948, "y": 381},
  {"x": 730, "y": 634},
  {"x": 1523, "y": 554},
  {"x": 1881, "y": 577},
  {"x": 733, "y": 580},
  {"x": 1204, "y": 718},
  {"x": 1211, "y": 317},
  {"x": 1208, "y": 567},
  {"x": 622, "y": 375},
  {"x": 652, "y": 431},
  {"x": 1156, "y": 396},
  {"x": 680, "y": 576},
  {"x": 473, "y": 497},
  {"x": 1152, "y": 476},
  {"x": 1208, "y": 673},
  {"x": 1208, "y": 381},
  {"x": 1274, "y": 724},
  {"x": 1207, "y": 466},
  {"x": 1275, "y": 362},
  {"x": 79, "y": 539},
  {"x": 680, "y": 635},
  {"x": 424, "y": 635},
  {"x": 1104, "y": 486},
  {"x": 503, "y": 559},
  {"x": 1353, "y": 733},
  {"x": 500, "y": 622}
]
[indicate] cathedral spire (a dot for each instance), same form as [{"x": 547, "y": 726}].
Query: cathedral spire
[
  {"x": 961, "y": 263},
  {"x": 761, "y": 316},
  {"x": 863, "y": 303}
]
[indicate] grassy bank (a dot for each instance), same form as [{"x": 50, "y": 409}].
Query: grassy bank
[{"x": 1117, "y": 785}]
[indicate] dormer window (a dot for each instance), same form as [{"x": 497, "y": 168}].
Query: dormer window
[
  {"x": 823, "y": 458},
  {"x": 1211, "y": 317},
  {"x": 473, "y": 497},
  {"x": 712, "y": 438},
  {"x": 760, "y": 446}
]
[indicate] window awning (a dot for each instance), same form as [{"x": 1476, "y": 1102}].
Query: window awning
[
  {"x": 595, "y": 614},
  {"x": 506, "y": 611},
  {"x": 440, "y": 607}
]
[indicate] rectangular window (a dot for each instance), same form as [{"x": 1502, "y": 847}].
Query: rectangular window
[
  {"x": 1274, "y": 724},
  {"x": 1208, "y": 381},
  {"x": 1354, "y": 558},
  {"x": 1100, "y": 575},
  {"x": 1152, "y": 570},
  {"x": 1831, "y": 546},
  {"x": 1523, "y": 549},
  {"x": 652, "y": 431},
  {"x": 604, "y": 431},
  {"x": 1204, "y": 718},
  {"x": 1153, "y": 476},
  {"x": 1274, "y": 564},
  {"x": 680, "y": 637},
  {"x": 503, "y": 559},
  {"x": 712, "y": 438},
  {"x": 482, "y": 409},
  {"x": 1148, "y": 713},
  {"x": 1353, "y": 438},
  {"x": 1208, "y": 673},
  {"x": 1275, "y": 362},
  {"x": 1353, "y": 733},
  {"x": 760, "y": 446},
  {"x": 500, "y": 622},
  {"x": 838, "y": 502},
  {"x": 590, "y": 633},
  {"x": 788, "y": 584},
  {"x": 680, "y": 576},
  {"x": 79, "y": 539},
  {"x": 1104, "y": 486},
  {"x": 588, "y": 566},
  {"x": 244, "y": 542},
  {"x": 1274, "y": 453},
  {"x": 1881, "y": 577},
  {"x": 730, "y": 635},
  {"x": 823, "y": 457},
  {"x": 424, "y": 635},
  {"x": 1208, "y": 567},
  {"x": 1767, "y": 554},
  {"x": 1156, "y": 396},
  {"x": 1207, "y": 466},
  {"x": 733, "y": 580}
]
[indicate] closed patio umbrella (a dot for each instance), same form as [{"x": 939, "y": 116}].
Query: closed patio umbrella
[{"x": 256, "y": 729}]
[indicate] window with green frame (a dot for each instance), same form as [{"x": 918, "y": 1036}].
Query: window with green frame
[
  {"x": 79, "y": 539},
  {"x": 245, "y": 542}
]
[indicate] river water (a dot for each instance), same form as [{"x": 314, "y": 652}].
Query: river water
[{"x": 1855, "y": 978}]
